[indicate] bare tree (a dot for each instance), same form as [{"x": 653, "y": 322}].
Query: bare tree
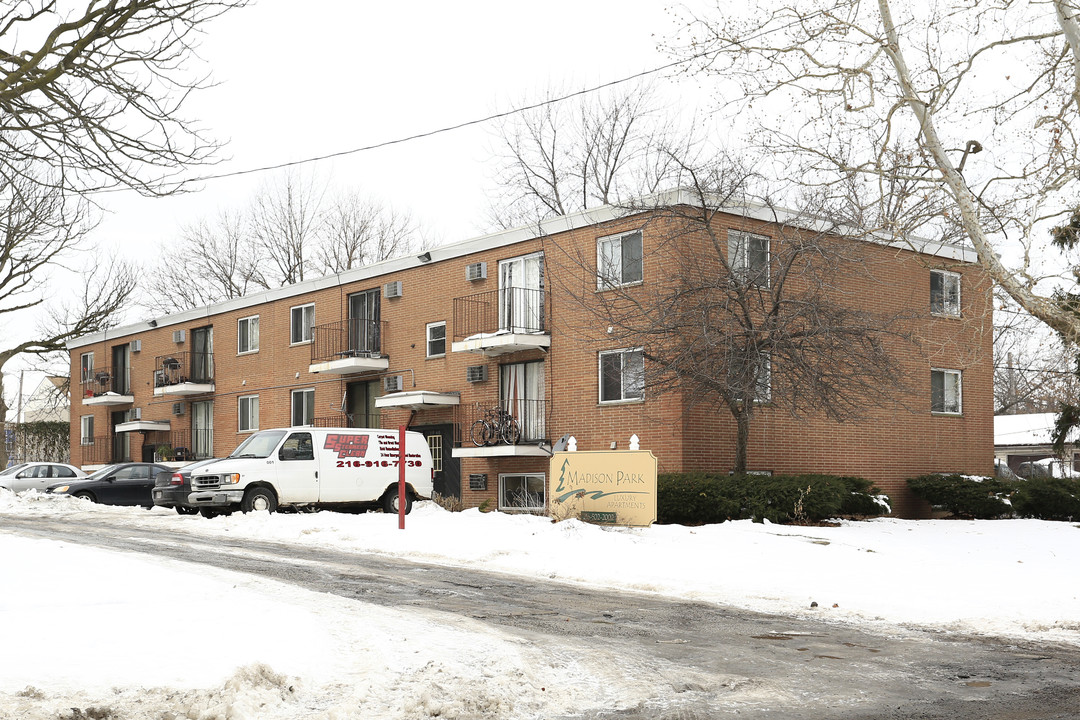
[
  {"x": 840, "y": 90},
  {"x": 220, "y": 254},
  {"x": 97, "y": 96},
  {"x": 563, "y": 157},
  {"x": 285, "y": 220},
  {"x": 359, "y": 231},
  {"x": 740, "y": 319}
]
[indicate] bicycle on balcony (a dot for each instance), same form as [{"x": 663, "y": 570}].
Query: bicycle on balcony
[{"x": 497, "y": 424}]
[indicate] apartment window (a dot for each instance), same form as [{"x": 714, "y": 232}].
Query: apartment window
[
  {"x": 435, "y": 445},
  {"x": 748, "y": 257},
  {"x": 946, "y": 391},
  {"x": 247, "y": 335},
  {"x": 248, "y": 413},
  {"x": 436, "y": 339},
  {"x": 522, "y": 492},
  {"x": 763, "y": 388},
  {"x": 622, "y": 375},
  {"x": 86, "y": 430},
  {"x": 945, "y": 293},
  {"x": 303, "y": 407},
  {"x": 618, "y": 260},
  {"x": 86, "y": 363},
  {"x": 302, "y": 318}
]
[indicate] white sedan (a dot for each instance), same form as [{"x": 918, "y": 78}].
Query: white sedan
[{"x": 37, "y": 475}]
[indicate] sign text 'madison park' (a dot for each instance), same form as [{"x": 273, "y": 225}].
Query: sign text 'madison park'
[{"x": 609, "y": 486}]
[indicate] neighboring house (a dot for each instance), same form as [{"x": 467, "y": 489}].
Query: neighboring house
[
  {"x": 1026, "y": 438},
  {"x": 438, "y": 339},
  {"x": 48, "y": 402}
]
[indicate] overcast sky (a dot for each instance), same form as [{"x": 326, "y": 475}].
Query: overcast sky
[{"x": 344, "y": 75}]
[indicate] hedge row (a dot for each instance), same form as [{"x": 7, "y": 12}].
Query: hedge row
[
  {"x": 985, "y": 498},
  {"x": 701, "y": 498}
]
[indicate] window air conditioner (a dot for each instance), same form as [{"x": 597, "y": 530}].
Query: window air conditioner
[
  {"x": 136, "y": 346},
  {"x": 136, "y": 414},
  {"x": 392, "y": 289},
  {"x": 392, "y": 383},
  {"x": 178, "y": 408},
  {"x": 476, "y": 373},
  {"x": 476, "y": 271},
  {"x": 178, "y": 336}
]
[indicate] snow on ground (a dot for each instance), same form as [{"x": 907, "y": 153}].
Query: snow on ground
[{"x": 84, "y": 626}]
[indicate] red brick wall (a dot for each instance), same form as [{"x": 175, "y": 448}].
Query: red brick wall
[{"x": 891, "y": 444}]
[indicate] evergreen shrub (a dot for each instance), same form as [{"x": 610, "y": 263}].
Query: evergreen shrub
[
  {"x": 1048, "y": 499},
  {"x": 703, "y": 498},
  {"x": 965, "y": 496}
]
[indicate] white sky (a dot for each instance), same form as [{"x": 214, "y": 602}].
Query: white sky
[{"x": 90, "y": 627}]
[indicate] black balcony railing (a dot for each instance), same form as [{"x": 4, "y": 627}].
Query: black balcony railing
[
  {"x": 100, "y": 381},
  {"x": 347, "y": 338},
  {"x": 184, "y": 367},
  {"x": 181, "y": 445},
  {"x": 349, "y": 420},
  {"x": 507, "y": 310},
  {"x": 529, "y": 416},
  {"x": 96, "y": 450}
]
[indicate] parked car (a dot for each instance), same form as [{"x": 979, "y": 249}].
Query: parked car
[
  {"x": 120, "y": 484},
  {"x": 37, "y": 475},
  {"x": 1047, "y": 468},
  {"x": 1002, "y": 471},
  {"x": 171, "y": 487}
]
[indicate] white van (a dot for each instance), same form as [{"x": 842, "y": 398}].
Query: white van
[{"x": 314, "y": 467}]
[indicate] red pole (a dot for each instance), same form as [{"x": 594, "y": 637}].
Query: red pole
[{"x": 401, "y": 478}]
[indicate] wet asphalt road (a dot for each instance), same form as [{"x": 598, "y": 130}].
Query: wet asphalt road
[{"x": 707, "y": 660}]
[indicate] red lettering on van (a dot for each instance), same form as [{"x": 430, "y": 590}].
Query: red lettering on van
[{"x": 347, "y": 446}]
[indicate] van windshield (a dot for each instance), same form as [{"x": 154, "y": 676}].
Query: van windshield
[{"x": 259, "y": 445}]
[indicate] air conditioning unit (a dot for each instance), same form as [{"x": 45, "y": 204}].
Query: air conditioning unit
[
  {"x": 476, "y": 271},
  {"x": 392, "y": 289},
  {"x": 392, "y": 383},
  {"x": 178, "y": 408},
  {"x": 136, "y": 346},
  {"x": 178, "y": 336},
  {"x": 476, "y": 373},
  {"x": 136, "y": 414}
]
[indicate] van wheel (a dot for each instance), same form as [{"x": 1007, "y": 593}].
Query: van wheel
[
  {"x": 185, "y": 510},
  {"x": 209, "y": 512},
  {"x": 259, "y": 499},
  {"x": 390, "y": 502}
]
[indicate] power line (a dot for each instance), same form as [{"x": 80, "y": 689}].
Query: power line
[{"x": 479, "y": 121}]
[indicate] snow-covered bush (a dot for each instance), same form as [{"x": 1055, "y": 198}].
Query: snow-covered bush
[{"x": 965, "y": 496}]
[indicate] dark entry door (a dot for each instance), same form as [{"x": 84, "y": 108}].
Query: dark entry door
[
  {"x": 360, "y": 404},
  {"x": 447, "y": 468},
  {"x": 121, "y": 444}
]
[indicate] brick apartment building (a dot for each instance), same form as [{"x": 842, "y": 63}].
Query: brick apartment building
[{"x": 436, "y": 340}]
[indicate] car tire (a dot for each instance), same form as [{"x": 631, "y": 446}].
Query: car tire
[
  {"x": 185, "y": 510},
  {"x": 209, "y": 512},
  {"x": 85, "y": 496},
  {"x": 259, "y": 499},
  {"x": 390, "y": 502}
]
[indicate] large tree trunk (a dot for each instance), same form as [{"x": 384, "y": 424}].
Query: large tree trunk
[{"x": 742, "y": 438}]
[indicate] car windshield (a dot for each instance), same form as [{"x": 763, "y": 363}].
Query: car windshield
[
  {"x": 102, "y": 472},
  {"x": 259, "y": 445},
  {"x": 13, "y": 469}
]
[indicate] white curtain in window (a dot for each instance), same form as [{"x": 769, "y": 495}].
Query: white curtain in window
[{"x": 521, "y": 281}]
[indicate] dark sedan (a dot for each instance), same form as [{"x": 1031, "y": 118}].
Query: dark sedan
[
  {"x": 120, "y": 484},
  {"x": 171, "y": 487}
]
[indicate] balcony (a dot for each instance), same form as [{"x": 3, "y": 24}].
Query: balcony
[
  {"x": 500, "y": 321},
  {"x": 97, "y": 451},
  {"x": 103, "y": 387},
  {"x": 179, "y": 447},
  {"x": 184, "y": 373},
  {"x": 347, "y": 347},
  {"x": 489, "y": 430},
  {"x": 349, "y": 421}
]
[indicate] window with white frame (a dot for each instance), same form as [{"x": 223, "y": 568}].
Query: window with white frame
[
  {"x": 618, "y": 260},
  {"x": 436, "y": 339},
  {"x": 622, "y": 375},
  {"x": 748, "y": 257},
  {"x": 247, "y": 335},
  {"x": 301, "y": 320},
  {"x": 86, "y": 430},
  {"x": 248, "y": 413},
  {"x": 303, "y": 407},
  {"x": 86, "y": 364},
  {"x": 522, "y": 492},
  {"x": 945, "y": 293},
  {"x": 946, "y": 391}
]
